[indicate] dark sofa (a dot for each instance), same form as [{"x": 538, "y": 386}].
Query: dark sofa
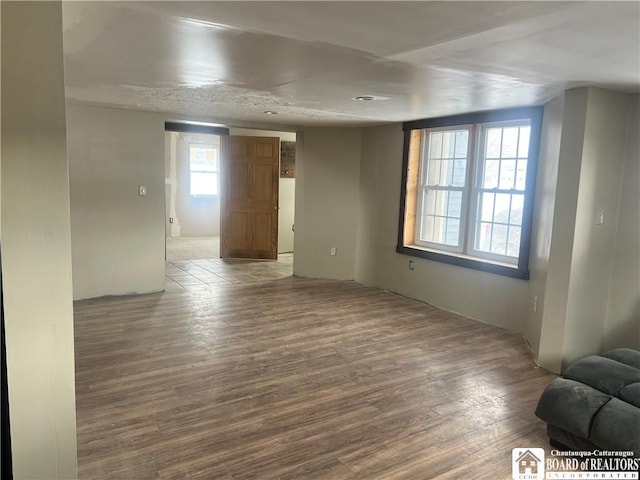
[{"x": 595, "y": 405}]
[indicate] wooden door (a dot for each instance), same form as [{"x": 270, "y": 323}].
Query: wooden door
[{"x": 249, "y": 197}]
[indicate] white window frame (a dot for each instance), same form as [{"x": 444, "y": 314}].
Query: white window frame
[
  {"x": 425, "y": 187},
  {"x": 477, "y": 190}
]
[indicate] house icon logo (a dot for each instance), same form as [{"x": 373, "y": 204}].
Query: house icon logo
[{"x": 527, "y": 463}]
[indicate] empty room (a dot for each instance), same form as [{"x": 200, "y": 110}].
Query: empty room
[{"x": 319, "y": 240}]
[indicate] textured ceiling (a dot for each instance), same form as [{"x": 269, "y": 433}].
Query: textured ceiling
[{"x": 232, "y": 61}]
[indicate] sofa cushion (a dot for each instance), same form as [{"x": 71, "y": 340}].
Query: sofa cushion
[
  {"x": 631, "y": 394},
  {"x": 625, "y": 355},
  {"x": 566, "y": 440},
  {"x": 616, "y": 427},
  {"x": 570, "y": 405},
  {"x": 604, "y": 374}
]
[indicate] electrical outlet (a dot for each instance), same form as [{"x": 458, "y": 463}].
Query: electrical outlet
[
  {"x": 333, "y": 252},
  {"x": 411, "y": 265},
  {"x": 535, "y": 304}
]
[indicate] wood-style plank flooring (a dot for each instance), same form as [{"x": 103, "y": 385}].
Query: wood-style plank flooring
[{"x": 245, "y": 372}]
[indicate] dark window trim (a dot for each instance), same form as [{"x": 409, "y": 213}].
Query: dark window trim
[
  {"x": 185, "y": 127},
  {"x": 477, "y": 117},
  {"x": 521, "y": 271},
  {"x": 7, "y": 461}
]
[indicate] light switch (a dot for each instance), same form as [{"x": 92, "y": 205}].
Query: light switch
[
  {"x": 600, "y": 220},
  {"x": 142, "y": 190}
]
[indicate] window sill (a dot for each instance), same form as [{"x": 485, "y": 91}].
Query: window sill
[
  {"x": 465, "y": 261},
  {"x": 204, "y": 196}
]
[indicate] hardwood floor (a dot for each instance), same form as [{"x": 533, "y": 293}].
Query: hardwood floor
[{"x": 269, "y": 376}]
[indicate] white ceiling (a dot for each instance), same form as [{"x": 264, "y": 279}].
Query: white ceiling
[{"x": 232, "y": 61}]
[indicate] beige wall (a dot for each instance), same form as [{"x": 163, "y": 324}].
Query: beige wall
[
  {"x": 327, "y": 179},
  {"x": 192, "y": 216},
  {"x": 542, "y": 227},
  {"x": 585, "y": 259},
  {"x": 490, "y": 298},
  {"x": 622, "y": 328},
  {"x": 593, "y": 246},
  {"x": 36, "y": 243},
  {"x": 118, "y": 237}
]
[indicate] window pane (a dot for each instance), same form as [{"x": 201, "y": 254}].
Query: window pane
[
  {"x": 490, "y": 174},
  {"x": 441, "y": 206},
  {"x": 486, "y": 206},
  {"x": 483, "y": 237},
  {"x": 493, "y": 142},
  {"x": 523, "y": 146},
  {"x": 510, "y": 142},
  {"x": 462, "y": 143},
  {"x": 203, "y": 158},
  {"x": 513, "y": 247},
  {"x": 426, "y": 229},
  {"x": 452, "y": 232},
  {"x": 204, "y": 183},
  {"x": 507, "y": 174},
  {"x": 521, "y": 175},
  {"x": 459, "y": 173},
  {"x": 446, "y": 172},
  {"x": 449, "y": 142},
  {"x": 435, "y": 145},
  {"x": 441, "y": 210},
  {"x": 517, "y": 205},
  {"x": 502, "y": 207},
  {"x": 499, "y": 239},
  {"x": 439, "y": 228},
  {"x": 429, "y": 203},
  {"x": 455, "y": 205},
  {"x": 433, "y": 172}
]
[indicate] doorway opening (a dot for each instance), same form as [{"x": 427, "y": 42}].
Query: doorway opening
[{"x": 192, "y": 215}]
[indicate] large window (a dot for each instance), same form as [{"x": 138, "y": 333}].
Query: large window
[
  {"x": 468, "y": 189},
  {"x": 203, "y": 170}
]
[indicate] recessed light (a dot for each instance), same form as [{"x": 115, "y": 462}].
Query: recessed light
[
  {"x": 270, "y": 112},
  {"x": 369, "y": 98}
]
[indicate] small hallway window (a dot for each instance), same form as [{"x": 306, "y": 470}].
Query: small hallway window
[{"x": 203, "y": 170}]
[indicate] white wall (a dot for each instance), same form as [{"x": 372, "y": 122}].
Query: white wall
[
  {"x": 286, "y": 193},
  {"x": 36, "y": 243},
  {"x": 327, "y": 179},
  {"x": 286, "y": 214},
  {"x": 118, "y": 237},
  {"x": 192, "y": 216}
]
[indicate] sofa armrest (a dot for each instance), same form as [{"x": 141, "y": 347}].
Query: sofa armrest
[{"x": 571, "y": 405}]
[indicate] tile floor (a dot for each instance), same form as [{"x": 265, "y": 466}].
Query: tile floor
[
  {"x": 181, "y": 274},
  {"x": 193, "y": 263}
]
